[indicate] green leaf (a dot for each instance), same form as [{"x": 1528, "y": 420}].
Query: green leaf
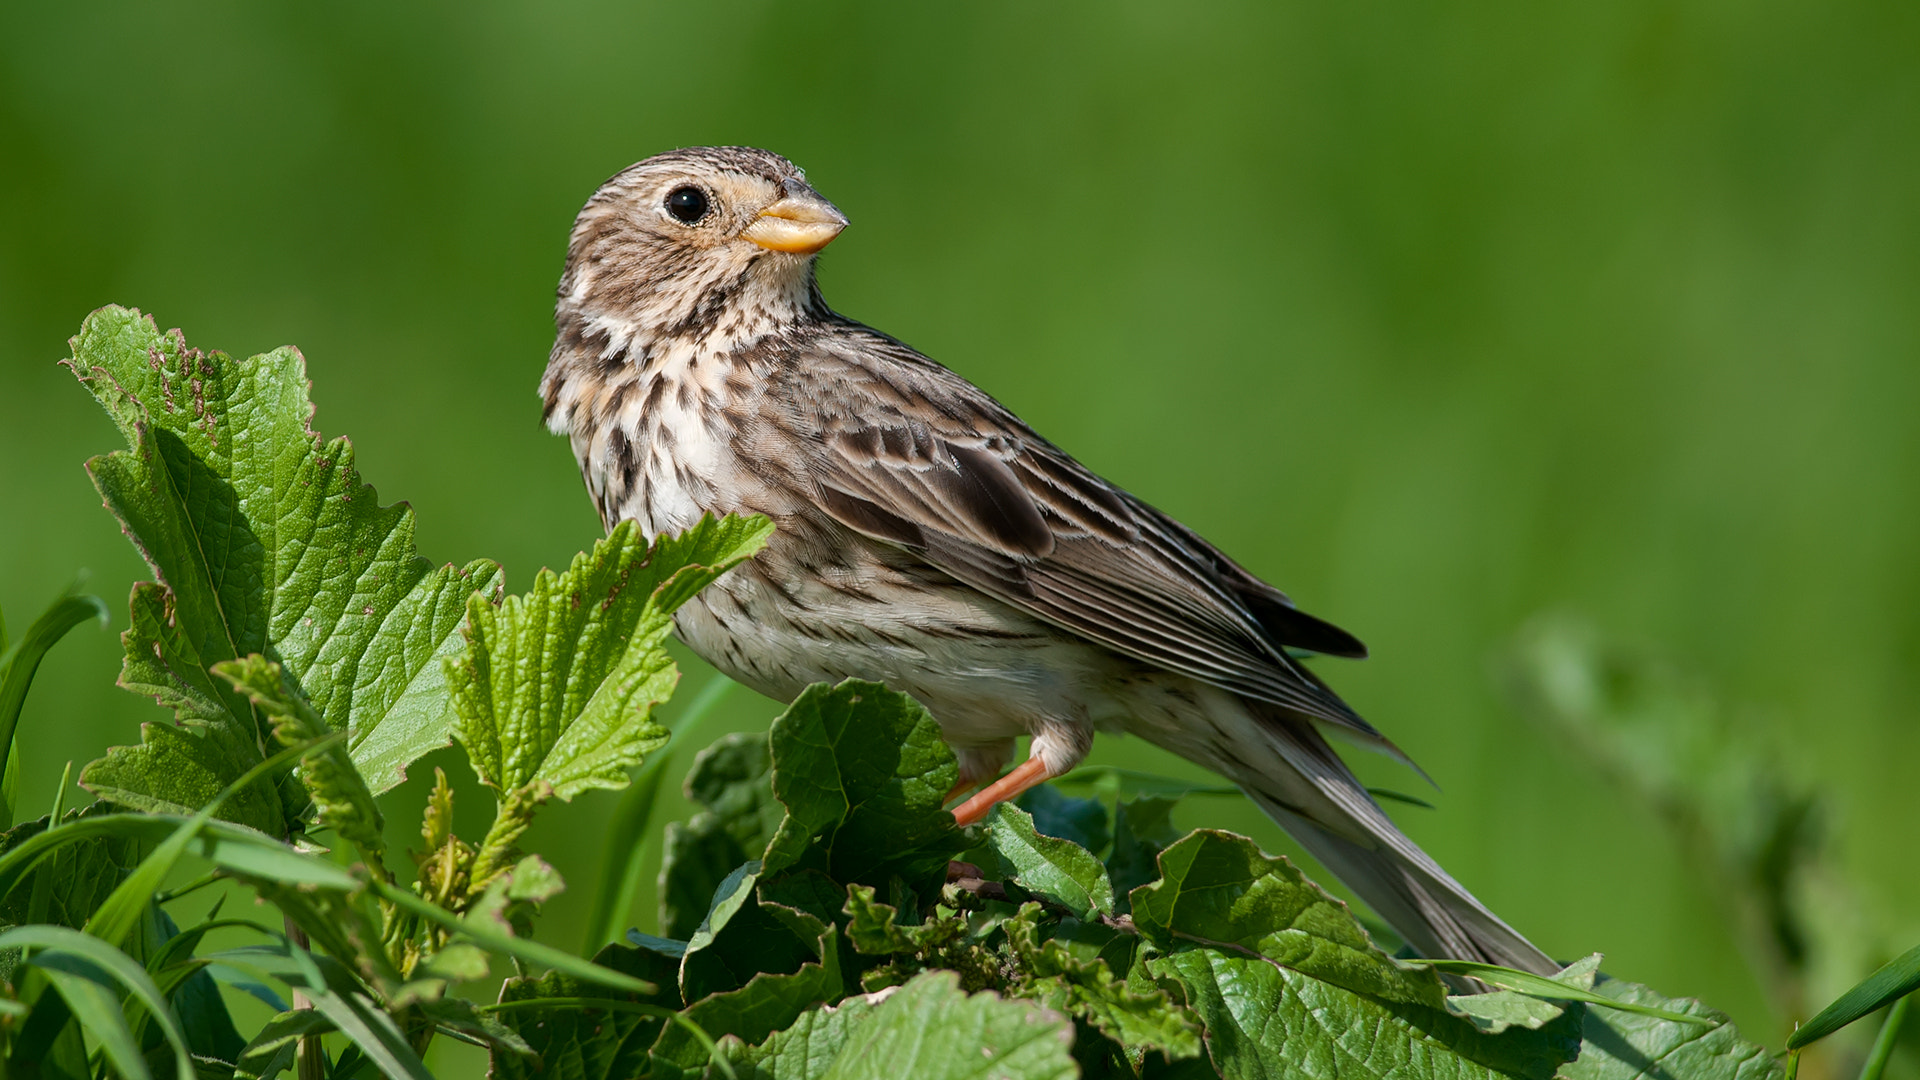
[
  {"x": 556, "y": 688},
  {"x": 930, "y": 1029},
  {"x": 368, "y": 1026},
  {"x": 1631, "y": 1046},
  {"x": 263, "y": 540},
  {"x": 767, "y": 1003},
  {"x": 1084, "y": 821},
  {"x": 1058, "y": 870},
  {"x": 697, "y": 856},
  {"x": 1895, "y": 980},
  {"x": 101, "y": 964},
  {"x": 271, "y": 1051},
  {"x": 1219, "y": 889},
  {"x": 1265, "y": 1020},
  {"x": 1144, "y": 1018},
  {"x": 732, "y": 781},
  {"x": 862, "y": 772},
  {"x": 90, "y": 996},
  {"x": 68, "y": 886},
  {"x": 120, "y": 912},
  {"x": 1142, "y": 828},
  {"x": 20, "y": 660},
  {"x": 340, "y": 795},
  {"x": 805, "y": 1050},
  {"x": 575, "y": 1041}
]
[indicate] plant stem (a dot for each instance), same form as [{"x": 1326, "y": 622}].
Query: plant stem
[{"x": 1888, "y": 1038}]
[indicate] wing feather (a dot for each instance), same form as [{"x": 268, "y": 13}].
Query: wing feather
[{"x": 912, "y": 454}]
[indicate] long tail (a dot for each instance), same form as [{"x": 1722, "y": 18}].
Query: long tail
[{"x": 1332, "y": 815}]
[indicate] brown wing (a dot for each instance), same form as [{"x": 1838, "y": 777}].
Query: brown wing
[{"x": 909, "y": 452}]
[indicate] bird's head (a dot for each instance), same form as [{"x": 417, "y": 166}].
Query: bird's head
[{"x": 696, "y": 243}]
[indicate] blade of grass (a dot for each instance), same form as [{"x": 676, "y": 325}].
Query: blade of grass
[
  {"x": 627, "y": 833},
  {"x": 1895, "y": 980},
  {"x": 1521, "y": 982},
  {"x": 112, "y": 961},
  {"x": 21, "y": 660},
  {"x": 120, "y": 912},
  {"x": 97, "y": 1010}
]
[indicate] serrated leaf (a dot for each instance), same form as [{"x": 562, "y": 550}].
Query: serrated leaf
[
  {"x": 1058, "y": 870},
  {"x": 556, "y": 688},
  {"x": 1219, "y": 888},
  {"x": 263, "y": 540},
  {"x": 930, "y": 1029},
  {"x": 1264, "y": 1020},
  {"x": 1628, "y": 1046},
  {"x": 340, "y": 795},
  {"x": 805, "y": 1050},
  {"x": 862, "y": 773},
  {"x": 1136, "y": 1017}
]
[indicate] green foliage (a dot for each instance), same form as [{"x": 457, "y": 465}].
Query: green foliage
[
  {"x": 262, "y": 540},
  {"x": 813, "y": 921},
  {"x": 555, "y": 690}
]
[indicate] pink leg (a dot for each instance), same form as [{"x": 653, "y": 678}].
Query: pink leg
[{"x": 1030, "y": 773}]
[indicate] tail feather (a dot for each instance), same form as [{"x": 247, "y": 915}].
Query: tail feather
[
  {"x": 1305, "y": 787},
  {"x": 1433, "y": 913}
]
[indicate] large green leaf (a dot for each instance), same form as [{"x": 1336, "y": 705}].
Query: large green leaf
[
  {"x": 555, "y": 689},
  {"x": 1220, "y": 889},
  {"x": 1631, "y": 1046},
  {"x": 263, "y": 540},
  {"x": 862, "y": 773},
  {"x": 1057, "y": 870},
  {"x": 930, "y": 1029},
  {"x": 1264, "y": 1020}
]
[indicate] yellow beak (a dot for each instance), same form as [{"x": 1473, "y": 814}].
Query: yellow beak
[{"x": 800, "y": 224}]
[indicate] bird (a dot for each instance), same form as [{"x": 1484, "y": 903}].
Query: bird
[{"x": 929, "y": 539}]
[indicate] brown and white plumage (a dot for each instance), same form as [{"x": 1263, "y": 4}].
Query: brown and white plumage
[{"x": 928, "y": 538}]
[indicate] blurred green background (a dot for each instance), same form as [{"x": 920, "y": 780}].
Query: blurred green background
[{"x": 1439, "y": 316}]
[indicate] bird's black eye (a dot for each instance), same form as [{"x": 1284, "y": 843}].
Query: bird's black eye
[{"x": 687, "y": 204}]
